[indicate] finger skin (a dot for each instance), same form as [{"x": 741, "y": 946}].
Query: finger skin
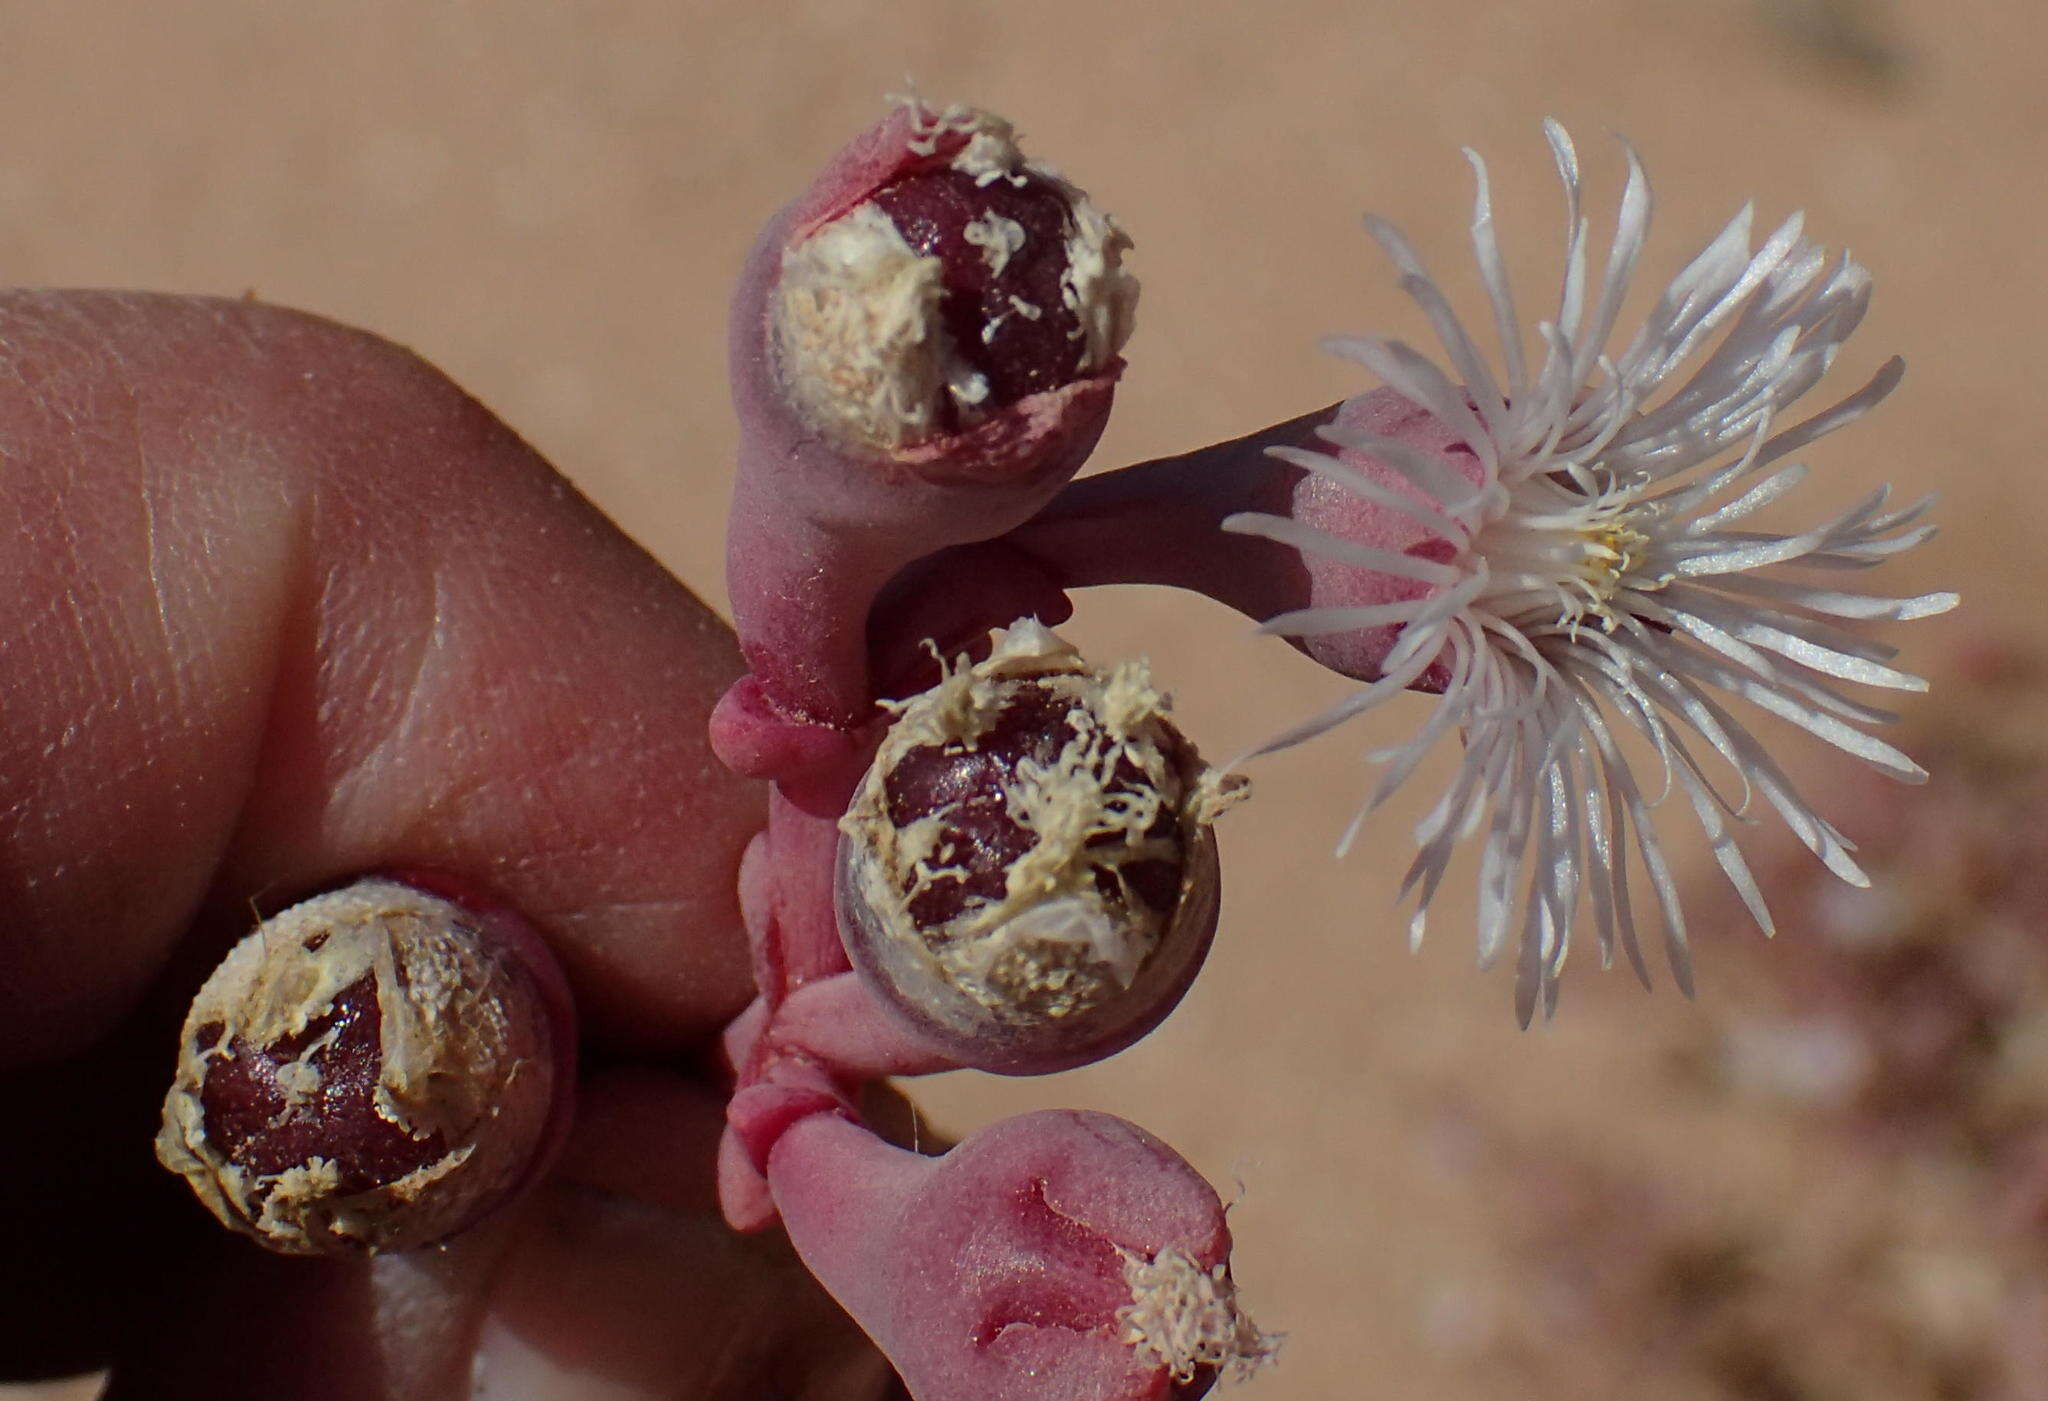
[
  {"x": 283, "y": 605},
  {"x": 286, "y": 605}
]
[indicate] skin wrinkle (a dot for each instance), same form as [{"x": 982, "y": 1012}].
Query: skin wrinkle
[
  {"x": 67, "y": 605},
  {"x": 404, "y": 725},
  {"x": 151, "y": 553},
  {"x": 368, "y": 663},
  {"x": 357, "y": 672},
  {"x": 552, "y": 771},
  {"x": 35, "y": 801},
  {"x": 540, "y": 786},
  {"x": 297, "y": 543},
  {"x": 614, "y": 747},
  {"x": 119, "y": 675},
  {"x": 93, "y": 358}
]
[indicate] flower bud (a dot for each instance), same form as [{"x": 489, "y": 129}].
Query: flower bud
[
  {"x": 373, "y": 1069},
  {"x": 1027, "y": 873},
  {"x": 969, "y": 282},
  {"x": 1050, "y": 1257}
]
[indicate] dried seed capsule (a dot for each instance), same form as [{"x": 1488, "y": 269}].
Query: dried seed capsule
[
  {"x": 1027, "y": 874},
  {"x": 373, "y": 1069},
  {"x": 972, "y": 280}
]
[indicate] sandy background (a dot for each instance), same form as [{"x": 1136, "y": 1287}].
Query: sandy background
[{"x": 548, "y": 201}]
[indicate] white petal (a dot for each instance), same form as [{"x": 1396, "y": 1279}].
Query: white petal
[
  {"x": 1601, "y": 588},
  {"x": 1309, "y": 540}
]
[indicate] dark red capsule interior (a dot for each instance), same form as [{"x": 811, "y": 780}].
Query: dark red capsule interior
[
  {"x": 1018, "y": 353},
  {"x": 986, "y": 839},
  {"x": 257, "y": 1126}
]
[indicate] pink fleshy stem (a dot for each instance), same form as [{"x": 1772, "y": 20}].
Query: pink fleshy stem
[
  {"x": 1158, "y": 522},
  {"x": 802, "y": 587},
  {"x": 946, "y": 604},
  {"x": 1059, "y": 1255},
  {"x": 786, "y": 900},
  {"x": 1161, "y": 522},
  {"x": 826, "y": 511}
]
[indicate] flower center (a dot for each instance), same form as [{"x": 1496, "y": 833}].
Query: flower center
[
  {"x": 1561, "y": 551},
  {"x": 1607, "y": 553}
]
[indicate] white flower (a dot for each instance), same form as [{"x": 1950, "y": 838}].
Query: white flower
[{"x": 1592, "y": 581}]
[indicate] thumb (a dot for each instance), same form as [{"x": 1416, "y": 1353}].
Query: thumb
[{"x": 284, "y": 605}]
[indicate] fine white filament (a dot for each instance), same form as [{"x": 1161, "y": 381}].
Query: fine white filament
[{"x": 1600, "y": 581}]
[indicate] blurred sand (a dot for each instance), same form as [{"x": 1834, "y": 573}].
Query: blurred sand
[{"x": 548, "y": 200}]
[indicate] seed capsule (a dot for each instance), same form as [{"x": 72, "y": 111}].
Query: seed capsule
[
  {"x": 1027, "y": 874},
  {"x": 373, "y": 1069},
  {"x": 970, "y": 281}
]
